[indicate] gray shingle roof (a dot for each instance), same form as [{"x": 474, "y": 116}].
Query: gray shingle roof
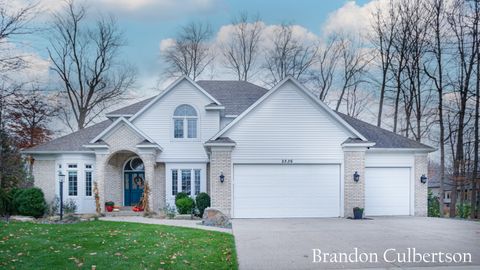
[
  {"x": 381, "y": 137},
  {"x": 236, "y": 96},
  {"x": 73, "y": 141},
  {"x": 133, "y": 108}
]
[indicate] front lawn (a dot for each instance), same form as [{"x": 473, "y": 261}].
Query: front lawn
[{"x": 113, "y": 245}]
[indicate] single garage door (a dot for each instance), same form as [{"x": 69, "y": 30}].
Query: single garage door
[
  {"x": 387, "y": 191},
  {"x": 278, "y": 191}
]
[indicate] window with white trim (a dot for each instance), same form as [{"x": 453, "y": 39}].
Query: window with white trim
[
  {"x": 72, "y": 183},
  {"x": 197, "y": 182},
  {"x": 174, "y": 182},
  {"x": 88, "y": 180},
  {"x": 187, "y": 181},
  {"x": 185, "y": 122}
]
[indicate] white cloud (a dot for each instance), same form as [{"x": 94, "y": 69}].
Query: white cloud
[
  {"x": 353, "y": 18},
  {"x": 166, "y": 43}
]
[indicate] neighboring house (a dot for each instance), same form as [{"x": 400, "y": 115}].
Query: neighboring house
[
  {"x": 464, "y": 192},
  {"x": 258, "y": 153}
]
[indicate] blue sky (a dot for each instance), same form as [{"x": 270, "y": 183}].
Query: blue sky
[
  {"x": 146, "y": 23},
  {"x": 144, "y": 35}
]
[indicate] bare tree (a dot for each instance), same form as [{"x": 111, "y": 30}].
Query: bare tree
[
  {"x": 190, "y": 53},
  {"x": 322, "y": 76},
  {"x": 13, "y": 23},
  {"x": 86, "y": 61},
  {"x": 463, "y": 21},
  {"x": 353, "y": 64},
  {"x": 242, "y": 50},
  {"x": 384, "y": 27},
  {"x": 435, "y": 71},
  {"x": 289, "y": 56}
]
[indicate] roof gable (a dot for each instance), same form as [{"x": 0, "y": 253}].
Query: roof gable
[
  {"x": 119, "y": 121},
  {"x": 305, "y": 91},
  {"x": 171, "y": 87}
]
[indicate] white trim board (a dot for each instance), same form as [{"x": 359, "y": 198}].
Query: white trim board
[
  {"x": 307, "y": 92},
  {"x": 116, "y": 123}
]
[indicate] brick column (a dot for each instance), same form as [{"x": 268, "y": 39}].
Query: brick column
[
  {"x": 221, "y": 193},
  {"x": 99, "y": 177},
  {"x": 354, "y": 192},
  {"x": 421, "y": 190},
  {"x": 149, "y": 163}
]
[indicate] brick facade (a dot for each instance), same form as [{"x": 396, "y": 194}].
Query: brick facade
[
  {"x": 221, "y": 193},
  {"x": 354, "y": 192},
  {"x": 109, "y": 167},
  {"x": 421, "y": 190}
]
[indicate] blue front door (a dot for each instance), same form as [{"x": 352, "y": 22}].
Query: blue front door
[{"x": 134, "y": 184}]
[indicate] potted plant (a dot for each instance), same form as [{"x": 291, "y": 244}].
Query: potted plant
[
  {"x": 109, "y": 206},
  {"x": 357, "y": 213}
]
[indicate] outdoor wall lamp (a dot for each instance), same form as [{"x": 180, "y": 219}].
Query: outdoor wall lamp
[
  {"x": 423, "y": 179},
  {"x": 222, "y": 177},
  {"x": 61, "y": 179},
  {"x": 356, "y": 176}
]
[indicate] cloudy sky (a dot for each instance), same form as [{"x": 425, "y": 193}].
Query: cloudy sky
[{"x": 149, "y": 23}]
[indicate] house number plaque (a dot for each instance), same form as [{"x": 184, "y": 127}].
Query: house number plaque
[{"x": 287, "y": 161}]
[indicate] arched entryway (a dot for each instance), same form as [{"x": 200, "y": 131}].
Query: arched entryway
[{"x": 133, "y": 181}]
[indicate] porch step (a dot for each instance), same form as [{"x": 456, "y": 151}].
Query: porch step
[{"x": 124, "y": 211}]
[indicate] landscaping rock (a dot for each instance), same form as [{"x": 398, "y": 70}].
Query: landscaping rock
[
  {"x": 22, "y": 218},
  {"x": 214, "y": 217}
]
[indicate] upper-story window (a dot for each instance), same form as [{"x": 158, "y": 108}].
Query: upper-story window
[{"x": 185, "y": 122}]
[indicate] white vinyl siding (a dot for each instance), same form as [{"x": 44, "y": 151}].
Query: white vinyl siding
[
  {"x": 288, "y": 125},
  {"x": 157, "y": 123},
  {"x": 280, "y": 191}
]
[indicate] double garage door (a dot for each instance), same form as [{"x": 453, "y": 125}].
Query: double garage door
[
  {"x": 281, "y": 191},
  {"x": 277, "y": 191}
]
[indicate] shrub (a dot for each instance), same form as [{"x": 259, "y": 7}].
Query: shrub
[
  {"x": 54, "y": 206},
  {"x": 203, "y": 201},
  {"x": 30, "y": 202},
  {"x": 110, "y": 203},
  {"x": 180, "y": 195},
  {"x": 433, "y": 205},
  {"x": 70, "y": 207},
  {"x": 463, "y": 210},
  {"x": 185, "y": 205},
  {"x": 169, "y": 211}
]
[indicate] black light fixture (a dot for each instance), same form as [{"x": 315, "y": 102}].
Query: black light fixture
[
  {"x": 61, "y": 179},
  {"x": 222, "y": 177},
  {"x": 423, "y": 179},
  {"x": 356, "y": 176}
]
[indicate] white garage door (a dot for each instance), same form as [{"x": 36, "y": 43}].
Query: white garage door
[
  {"x": 276, "y": 191},
  {"x": 387, "y": 191}
]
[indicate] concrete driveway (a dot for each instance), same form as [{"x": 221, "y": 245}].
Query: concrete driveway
[{"x": 289, "y": 243}]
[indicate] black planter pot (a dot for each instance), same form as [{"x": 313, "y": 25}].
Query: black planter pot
[{"x": 357, "y": 213}]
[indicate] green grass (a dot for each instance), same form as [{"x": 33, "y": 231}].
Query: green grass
[{"x": 113, "y": 245}]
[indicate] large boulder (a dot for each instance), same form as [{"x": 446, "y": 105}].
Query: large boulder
[{"x": 214, "y": 217}]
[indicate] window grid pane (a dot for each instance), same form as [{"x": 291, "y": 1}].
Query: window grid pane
[
  {"x": 88, "y": 183},
  {"x": 192, "y": 128},
  {"x": 174, "y": 182},
  {"x": 72, "y": 183},
  {"x": 178, "y": 129},
  {"x": 186, "y": 181},
  {"x": 197, "y": 182}
]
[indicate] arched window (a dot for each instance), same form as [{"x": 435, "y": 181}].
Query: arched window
[
  {"x": 134, "y": 164},
  {"x": 185, "y": 122}
]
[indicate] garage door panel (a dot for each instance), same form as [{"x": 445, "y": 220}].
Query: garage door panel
[
  {"x": 387, "y": 191},
  {"x": 268, "y": 191}
]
